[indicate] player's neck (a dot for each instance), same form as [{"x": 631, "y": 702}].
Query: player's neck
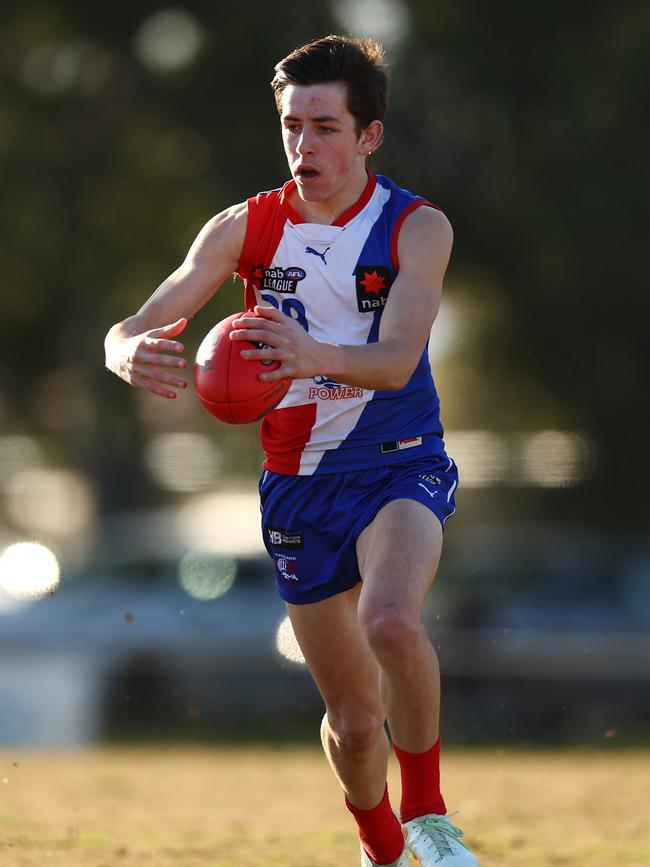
[{"x": 328, "y": 211}]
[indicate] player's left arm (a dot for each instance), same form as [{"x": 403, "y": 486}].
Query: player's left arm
[{"x": 424, "y": 247}]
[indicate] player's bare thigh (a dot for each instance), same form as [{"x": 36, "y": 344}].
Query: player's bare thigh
[
  {"x": 336, "y": 650},
  {"x": 398, "y": 554}
]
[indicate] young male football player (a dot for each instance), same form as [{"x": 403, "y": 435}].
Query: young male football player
[{"x": 343, "y": 275}]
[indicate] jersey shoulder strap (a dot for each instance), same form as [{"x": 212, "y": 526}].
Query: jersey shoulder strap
[{"x": 263, "y": 213}]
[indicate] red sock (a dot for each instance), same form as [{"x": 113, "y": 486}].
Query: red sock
[
  {"x": 420, "y": 782},
  {"x": 380, "y": 832}
]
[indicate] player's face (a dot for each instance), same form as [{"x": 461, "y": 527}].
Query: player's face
[{"x": 325, "y": 154}]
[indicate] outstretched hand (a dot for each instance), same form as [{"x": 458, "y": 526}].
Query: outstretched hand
[
  {"x": 283, "y": 339},
  {"x": 140, "y": 359}
]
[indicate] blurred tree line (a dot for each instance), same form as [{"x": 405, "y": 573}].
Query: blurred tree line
[{"x": 124, "y": 128}]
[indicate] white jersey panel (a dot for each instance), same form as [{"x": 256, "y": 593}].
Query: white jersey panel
[{"x": 327, "y": 294}]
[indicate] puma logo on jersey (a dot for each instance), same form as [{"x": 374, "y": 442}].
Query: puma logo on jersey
[{"x": 316, "y": 253}]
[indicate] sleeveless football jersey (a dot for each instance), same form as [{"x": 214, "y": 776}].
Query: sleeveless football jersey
[{"x": 334, "y": 280}]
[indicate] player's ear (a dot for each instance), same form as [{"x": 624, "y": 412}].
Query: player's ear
[{"x": 371, "y": 138}]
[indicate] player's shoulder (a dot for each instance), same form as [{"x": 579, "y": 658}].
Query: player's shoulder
[
  {"x": 222, "y": 236},
  {"x": 427, "y": 226},
  {"x": 428, "y": 219},
  {"x": 233, "y": 217},
  {"x": 227, "y": 226},
  {"x": 410, "y": 207},
  {"x": 425, "y": 240}
]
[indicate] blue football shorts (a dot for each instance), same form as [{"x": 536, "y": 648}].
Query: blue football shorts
[{"x": 311, "y": 523}]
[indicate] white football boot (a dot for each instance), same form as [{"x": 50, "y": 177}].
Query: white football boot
[
  {"x": 402, "y": 861},
  {"x": 435, "y": 842}
]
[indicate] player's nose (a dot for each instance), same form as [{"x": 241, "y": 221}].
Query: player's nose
[{"x": 305, "y": 143}]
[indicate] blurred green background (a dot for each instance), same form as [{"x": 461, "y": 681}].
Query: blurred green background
[{"x": 125, "y": 126}]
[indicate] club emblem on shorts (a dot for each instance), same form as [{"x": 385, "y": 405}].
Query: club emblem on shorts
[
  {"x": 286, "y": 564},
  {"x": 373, "y": 285},
  {"x": 283, "y": 280}
]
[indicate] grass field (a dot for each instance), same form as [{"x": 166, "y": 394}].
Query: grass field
[{"x": 280, "y": 807}]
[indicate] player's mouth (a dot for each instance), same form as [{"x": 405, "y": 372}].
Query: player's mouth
[{"x": 306, "y": 173}]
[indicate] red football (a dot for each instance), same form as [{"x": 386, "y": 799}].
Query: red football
[{"x": 228, "y": 385}]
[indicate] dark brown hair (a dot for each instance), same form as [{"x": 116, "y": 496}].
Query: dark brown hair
[{"x": 356, "y": 63}]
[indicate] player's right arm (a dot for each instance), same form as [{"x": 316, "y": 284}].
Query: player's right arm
[{"x": 137, "y": 349}]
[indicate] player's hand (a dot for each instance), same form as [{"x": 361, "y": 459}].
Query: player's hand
[
  {"x": 140, "y": 359},
  {"x": 284, "y": 339}
]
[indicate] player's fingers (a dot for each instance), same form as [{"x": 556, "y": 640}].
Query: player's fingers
[
  {"x": 156, "y": 375},
  {"x": 170, "y": 379},
  {"x": 154, "y": 387},
  {"x": 142, "y": 356},
  {"x": 268, "y": 353},
  {"x": 170, "y": 330},
  {"x": 246, "y": 323},
  {"x": 161, "y": 345},
  {"x": 285, "y": 371},
  {"x": 269, "y": 312},
  {"x": 260, "y": 335}
]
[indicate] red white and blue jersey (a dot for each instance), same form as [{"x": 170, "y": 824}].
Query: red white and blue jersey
[{"x": 335, "y": 280}]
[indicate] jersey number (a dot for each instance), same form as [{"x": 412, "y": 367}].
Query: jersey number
[{"x": 291, "y": 307}]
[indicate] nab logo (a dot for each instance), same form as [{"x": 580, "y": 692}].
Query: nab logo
[
  {"x": 281, "y": 279},
  {"x": 373, "y": 285}
]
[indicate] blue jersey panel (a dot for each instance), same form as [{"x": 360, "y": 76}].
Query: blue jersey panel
[{"x": 399, "y": 415}]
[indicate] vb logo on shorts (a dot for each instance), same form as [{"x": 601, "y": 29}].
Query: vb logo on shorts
[
  {"x": 373, "y": 285},
  {"x": 284, "y": 538}
]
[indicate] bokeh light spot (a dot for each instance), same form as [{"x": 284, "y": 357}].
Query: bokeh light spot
[
  {"x": 53, "y": 68},
  {"x": 387, "y": 21},
  {"x": 206, "y": 576},
  {"x": 168, "y": 40},
  {"x": 481, "y": 455},
  {"x": 18, "y": 452},
  {"x": 183, "y": 461},
  {"x": 28, "y": 570},
  {"x": 556, "y": 459},
  {"x": 286, "y": 643},
  {"x": 58, "y": 502},
  {"x": 446, "y": 332}
]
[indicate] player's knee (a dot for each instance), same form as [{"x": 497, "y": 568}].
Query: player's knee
[
  {"x": 391, "y": 632},
  {"x": 354, "y": 730}
]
